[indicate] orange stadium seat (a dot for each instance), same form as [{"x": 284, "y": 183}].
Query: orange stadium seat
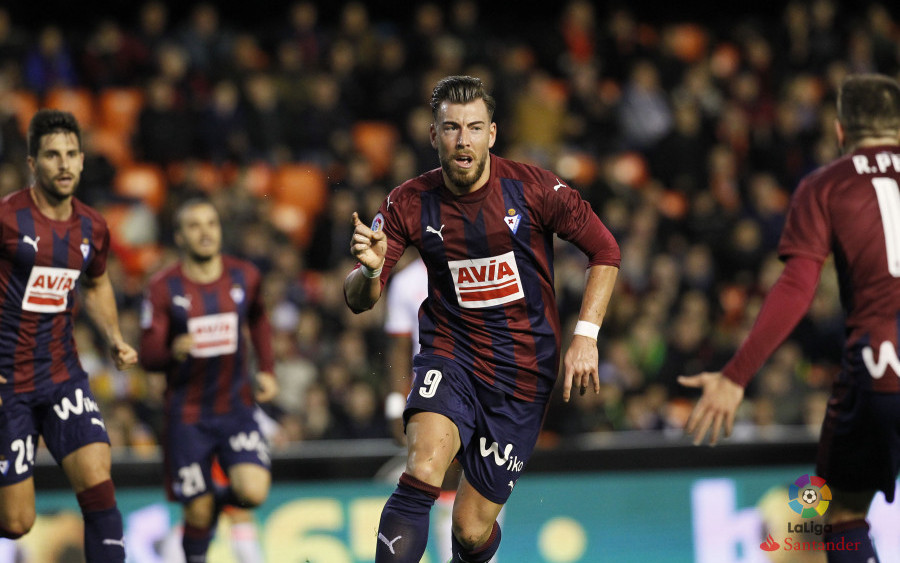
[
  {"x": 256, "y": 178},
  {"x": 376, "y": 141},
  {"x": 78, "y": 101},
  {"x": 118, "y": 109},
  {"x": 301, "y": 185},
  {"x": 293, "y": 221},
  {"x": 24, "y": 105},
  {"x": 112, "y": 145},
  {"x": 200, "y": 174},
  {"x": 143, "y": 181}
]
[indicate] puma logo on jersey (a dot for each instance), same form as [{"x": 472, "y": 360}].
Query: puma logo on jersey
[
  {"x": 486, "y": 282},
  {"x": 32, "y": 241},
  {"x": 430, "y": 229},
  {"x": 389, "y": 544},
  {"x": 183, "y": 301},
  {"x": 558, "y": 185}
]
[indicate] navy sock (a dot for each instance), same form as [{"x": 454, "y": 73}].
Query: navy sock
[
  {"x": 196, "y": 543},
  {"x": 851, "y": 543},
  {"x": 482, "y": 553},
  {"x": 104, "y": 540},
  {"x": 403, "y": 529}
]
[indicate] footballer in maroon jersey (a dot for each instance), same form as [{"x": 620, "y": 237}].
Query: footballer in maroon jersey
[
  {"x": 51, "y": 243},
  {"x": 193, "y": 317},
  {"x": 851, "y": 209},
  {"x": 489, "y": 329}
]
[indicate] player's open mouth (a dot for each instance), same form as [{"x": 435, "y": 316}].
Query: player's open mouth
[{"x": 464, "y": 161}]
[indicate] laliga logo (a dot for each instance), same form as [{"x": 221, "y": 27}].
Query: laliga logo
[{"x": 809, "y": 496}]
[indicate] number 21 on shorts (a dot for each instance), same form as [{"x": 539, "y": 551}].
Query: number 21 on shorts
[{"x": 432, "y": 380}]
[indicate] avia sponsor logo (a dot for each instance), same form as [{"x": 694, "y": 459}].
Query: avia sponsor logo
[
  {"x": 214, "y": 335},
  {"x": 82, "y": 404},
  {"x": 486, "y": 282},
  {"x": 47, "y": 290},
  {"x": 244, "y": 442},
  {"x": 511, "y": 463}
]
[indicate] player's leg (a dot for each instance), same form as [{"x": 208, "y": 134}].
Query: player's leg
[
  {"x": 88, "y": 470},
  {"x": 432, "y": 443},
  {"x": 244, "y": 537},
  {"x": 847, "y": 517},
  {"x": 17, "y": 509},
  {"x": 476, "y": 532},
  {"x": 249, "y": 483},
  {"x": 199, "y": 526}
]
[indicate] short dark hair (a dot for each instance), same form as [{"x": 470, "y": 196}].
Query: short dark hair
[
  {"x": 868, "y": 105},
  {"x": 47, "y": 121},
  {"x": 460, "y": 90},
  {"x": 189, "y": 203}
]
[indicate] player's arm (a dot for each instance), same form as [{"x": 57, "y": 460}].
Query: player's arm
[
  {"x": 784, "y": 307},
  {"x": 362, "y": 287},
  {"x": 581, "y": 360},
  {"x": 100, "y": 304},
  {"x": 261, "y": 334}
]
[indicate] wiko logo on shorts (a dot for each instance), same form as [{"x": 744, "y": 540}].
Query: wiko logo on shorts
[
  {"x": 243, "y": 441},
  {"x": 81, "y": 405},
  {"x": 512, "y": 464}
]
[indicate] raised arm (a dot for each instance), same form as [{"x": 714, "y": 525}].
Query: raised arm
[{"x": 362, "y": 287}]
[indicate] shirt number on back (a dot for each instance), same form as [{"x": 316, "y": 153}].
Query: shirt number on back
[
  {"x": 888, "y": 194},
  {"x": 431, "y": 380}
]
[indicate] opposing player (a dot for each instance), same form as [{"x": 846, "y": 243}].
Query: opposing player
[
  {"x": 850, "y": 207},
  {"x": 489, "y": 328},
  {"x": 193, "y": 320},
  {"x": 50, "y": 242}
]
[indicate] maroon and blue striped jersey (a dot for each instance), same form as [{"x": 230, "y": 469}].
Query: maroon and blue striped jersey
[
  {"x": 491, "y": 304},
  {"x": 214, "y": 379},
  {"x": 41, "y": 261}
]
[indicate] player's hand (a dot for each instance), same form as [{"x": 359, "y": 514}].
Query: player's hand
[
  {"x": 123, "y": 355},
  {"x": 716, "y": 408},
  {"x": 581, "y": 363},
  {"x": 266, "y": 387},
  {"x": 2, "y": 380},
  {"x": 368, "y": 246},
  {"x": 181, "y": 347}
]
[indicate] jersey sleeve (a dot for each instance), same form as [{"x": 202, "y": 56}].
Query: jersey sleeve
[
  {"x": 567, "y": 214},
  {"x": 390, "y": 219},
  {"x": 155, "y": 348},
  {"x": 260, "y": 329},
  {"x": 98, "y": 263},
  {"x": 807, "y": 229}
]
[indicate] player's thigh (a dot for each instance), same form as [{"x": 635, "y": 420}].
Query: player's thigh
[
  {"x": 87, "y": 466},
  {"x": 17, "y": 511},
  {"x": 250, "y": 482},
  {"x": 473, "y": 514},
  {"x": 432, "y": 443}
]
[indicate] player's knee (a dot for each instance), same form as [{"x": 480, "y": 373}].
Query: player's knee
[
  {"x": 17, "y": 526},
  {"x": 252, "y": 495},
  {"x": 200, "y": 512},
  {"x": 471, "y": 535}
]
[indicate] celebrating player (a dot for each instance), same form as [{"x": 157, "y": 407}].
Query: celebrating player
[
  {"x": 489, "y": 328},
  {"x": 850, "y": 207},
  {"x": 193, "y": 319},
  {"x": 50, "y": 241}
]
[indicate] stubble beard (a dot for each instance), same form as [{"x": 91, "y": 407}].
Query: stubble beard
[{"x": 462, "y": 178}]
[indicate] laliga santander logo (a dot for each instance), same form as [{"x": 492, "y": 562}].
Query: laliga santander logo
[{"x": 809, "y": 496}]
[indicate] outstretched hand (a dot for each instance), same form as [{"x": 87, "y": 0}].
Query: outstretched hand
[
  {"x": 716, "y": 408},
  {"x": 368, "y": 246}
]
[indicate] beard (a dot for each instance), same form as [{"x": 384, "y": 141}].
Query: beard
[{"x": 460, "y": 177}]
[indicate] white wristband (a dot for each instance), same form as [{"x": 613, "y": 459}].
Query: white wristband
[
  {"x": 587, "y": 328},
  {"x": 369, "y": 272},
  {"x": 394, "y": 406}
]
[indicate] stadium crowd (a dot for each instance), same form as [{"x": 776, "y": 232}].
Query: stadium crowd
[{"x": 687, "y": 138}]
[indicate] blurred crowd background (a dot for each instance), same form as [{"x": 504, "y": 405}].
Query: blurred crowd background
[{"x": 687, "y": 137}]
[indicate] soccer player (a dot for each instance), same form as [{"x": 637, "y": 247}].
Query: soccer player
[
  {"x": 850, "y": 207},
  {"x": 489, "y": 329},
  {"x": 193, "y": 320},
  {"x": 50, "y": 242}
]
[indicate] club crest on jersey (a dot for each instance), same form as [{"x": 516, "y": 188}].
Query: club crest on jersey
[
  {"x": 486, "y": 282},
  {"x": 377, "y": 223},
  {"x": 85, "y": 248},
  {"x": 237, "y": 294},
  {"x": 47, "y": 290},
  {"x": 512, "y": 220}
]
